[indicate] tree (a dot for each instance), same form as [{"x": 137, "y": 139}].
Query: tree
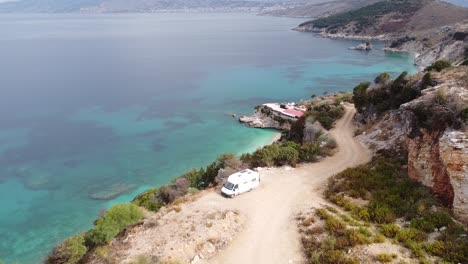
[
  {"x": 382, "y": 78},
  {"x": 426, "y": 81},
  {"x": 360, "y": 96}
]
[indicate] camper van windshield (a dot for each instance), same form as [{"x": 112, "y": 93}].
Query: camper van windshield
[{"x": 228, "y": 185}]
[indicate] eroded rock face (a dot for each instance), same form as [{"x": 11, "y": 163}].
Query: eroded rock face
[
  {"x": 426, "y": 166},
  {"x": 390, "y": 133},
  {"x": 454, "y": 156},
  {"x": 440, "y": 163}
]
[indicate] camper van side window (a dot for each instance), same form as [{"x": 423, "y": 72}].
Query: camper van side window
[
  {"x": 237, "y": 186},
  {"x": 254, "y": 179}
]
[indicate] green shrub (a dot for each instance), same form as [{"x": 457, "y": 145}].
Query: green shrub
[
  {"x": 365, "y": 231},
  {"x": 439, "y": 66},
  {"x": 287, "y": 155},
  {"x": 309, "y": 152},
  {"x": 384, "y": 258},
  {"x": 453, "y": 250},
  {"x": 406, "y": 235},
  {"x": 435, "y": 248},
  {"x": 332, "y": 257},
  {"x": 382, "y": 214},
  {"x": 117, "y": 218},
  {"x": 389, "y": 230},
  {"x": 335, "y": 226},
  {"x": 362, "y": 214},
  {"x": 148, "y": 200},
  {"x": 379, "y": 238},
  {"x": 416, "y": 248},
  {"x": 351, "y": 238},
  {"x": 431, "y": 220},
  {"x": 322, "y": 214},
  {"x": 326, "y": 114},
  {"x": 68, "y": 252}
]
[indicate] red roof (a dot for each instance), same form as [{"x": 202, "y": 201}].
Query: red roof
[{"x": 293, "y": 112}]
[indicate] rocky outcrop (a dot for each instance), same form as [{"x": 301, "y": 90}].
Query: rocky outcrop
[
  {"x": 390, "y": 133},
  {"x": 263, "y": 120},
  {"x": 362, "y": 46}
]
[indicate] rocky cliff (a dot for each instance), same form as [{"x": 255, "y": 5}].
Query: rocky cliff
[
  {"x": 431, "y": 132},
  {"x": 439, "y": 162}
]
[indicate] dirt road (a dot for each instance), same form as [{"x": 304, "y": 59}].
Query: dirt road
[{"x": 270, "y": 235}]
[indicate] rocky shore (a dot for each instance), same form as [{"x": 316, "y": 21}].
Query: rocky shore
[{"x": 261, "y": 120}]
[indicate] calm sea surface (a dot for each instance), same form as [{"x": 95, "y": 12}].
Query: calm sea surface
[{"x": 94, "y": 103}]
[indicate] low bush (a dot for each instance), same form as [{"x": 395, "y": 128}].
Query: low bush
[
  {"x": 279, "y": 154},
  {"x": 438, "y": 66},
  {"x": 382, "y": 214},
  {"x": 335, "y": 226},
  {"x": 390, "y": 230},
  {"x": 454, "y": 251},
  {"x": 116, "y": 219},
  {"x": 392, "y": 195},
  {"x": 379, "y": 238},
  {"x": 148, "y": 200},
  {"x": 331, "y": 257},
  {"x": 431, "y": 221},
  {"x": 406, "y": 235},
  {"x": 309, "y": 152},
  {"x": 68, "y": 252},
  {"x": 384, "y": 258},
  {"x": 322, "y": 214}
]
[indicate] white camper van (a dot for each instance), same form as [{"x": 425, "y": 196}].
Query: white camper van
[{"x": 240, "y": 182}]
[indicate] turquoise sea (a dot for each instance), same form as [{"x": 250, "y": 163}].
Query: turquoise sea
[{"x": 91, "y": 103}]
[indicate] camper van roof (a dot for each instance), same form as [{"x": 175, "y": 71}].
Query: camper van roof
[{"x": 238, "y": 176}]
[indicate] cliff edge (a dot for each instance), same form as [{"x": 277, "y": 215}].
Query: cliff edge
[{"x": 425, "y": 121}]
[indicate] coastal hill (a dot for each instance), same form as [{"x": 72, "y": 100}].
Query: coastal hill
[
  {"x": 320, "y": 9},
  {"x": 134, "y": 6},
  {"x": 434, "y": 29}
]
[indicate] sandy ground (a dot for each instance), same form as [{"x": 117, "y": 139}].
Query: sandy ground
[
  {"x": 263, "y": 228},
  {"x": 270, "y": 235}
]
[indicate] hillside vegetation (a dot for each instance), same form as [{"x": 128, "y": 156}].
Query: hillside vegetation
[{"x": 368, "y": 15}]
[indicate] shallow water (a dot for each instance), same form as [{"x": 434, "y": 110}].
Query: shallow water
[{"x": 95, "y": 102}]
